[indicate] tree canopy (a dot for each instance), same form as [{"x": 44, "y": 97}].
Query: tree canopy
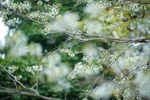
[{"x": 75, "y": 50}]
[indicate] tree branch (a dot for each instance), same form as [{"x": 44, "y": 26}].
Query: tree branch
[
  {"x": 12, "y": 91},
  {"x": 31, "y": 92},
  {"x": 82, "y": 36},
  {"x": 90, "y": 37}
]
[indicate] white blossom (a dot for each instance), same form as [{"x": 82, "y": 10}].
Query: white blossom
[
  {"x": 104, "y": 91},
  {"x": 69, "y": 22},
  {"x": 35, "y": 49}
]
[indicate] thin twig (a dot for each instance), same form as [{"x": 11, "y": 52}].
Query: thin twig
[
  {"x": 28, "y": 94},
  {"x": 6, "y": 98},
  {"x": 15, "y": 91}
]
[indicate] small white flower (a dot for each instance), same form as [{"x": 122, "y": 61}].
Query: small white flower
[
  {"x": 37, "y": 68},
  {"x": 39, "y": 2},
  {"x": 19, "y": 77},
  {"x": 29, "y": 69},
  {"x": 12, "y": 69}
]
